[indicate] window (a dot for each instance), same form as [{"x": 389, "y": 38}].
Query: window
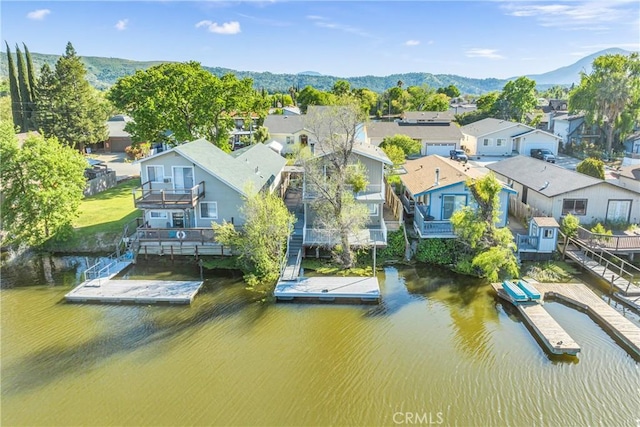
[
  {"x": 155, "y": 173},
  {"x": 209, "y": 210},
  {"x": 452, "y": 203},
  {"x": 373, "y": 209},
  {"x": 548, "y": 233},
  {"x": 574, "y": 206},
  {"x": 486, "y": 142},
  {"x": 157, "y": 215},
  {"x": 289, "y": 140},
  {"x": 501, "y": 142}
]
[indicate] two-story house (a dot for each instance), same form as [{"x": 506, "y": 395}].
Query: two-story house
[
  {"x": 434, "y": 188},
  {"x": 375, "y": 233},
  {"x": 188, "y": 187}
]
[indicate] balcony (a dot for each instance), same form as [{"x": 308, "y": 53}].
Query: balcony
[
  {"x": 155, "y": 195},
  {"x": 428, "y": 228},
  {"x": 370, "y": 236},
  {"x": 372, "y": 193}
]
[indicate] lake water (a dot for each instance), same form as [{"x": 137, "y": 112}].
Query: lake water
[{"x": 439, "y": 349}]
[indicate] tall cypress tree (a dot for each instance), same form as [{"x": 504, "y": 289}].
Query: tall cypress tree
[
  {"x": 25, "y": 91},
  {"x": 32, "y": 73},
  {"x": 45, "y": 100},
  {"x": 16, "y": 102}
]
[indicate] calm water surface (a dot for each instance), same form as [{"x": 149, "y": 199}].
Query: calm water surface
[{"x": 439, "y": 348}]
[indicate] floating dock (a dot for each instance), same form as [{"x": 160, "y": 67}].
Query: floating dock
[
  {"x": 579, "y": 295},
  {"x": 135, "y": 291},
  {"x": 556, "y": 339},
  {"x": 342, "y": 289}
]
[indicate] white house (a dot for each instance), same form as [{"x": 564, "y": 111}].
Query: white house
[{"x": 494, "y": 137}]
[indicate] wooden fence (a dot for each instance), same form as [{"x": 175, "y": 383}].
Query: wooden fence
[
  {"x": 393, "y": 202},
  {"x": 522, "y": 211}
]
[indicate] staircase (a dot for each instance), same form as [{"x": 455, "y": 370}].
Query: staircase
[{"x": 291, "y": 270}]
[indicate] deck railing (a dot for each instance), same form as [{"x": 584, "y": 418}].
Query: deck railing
[
  {"x": 526, "y": 242},
  {"x": 616, "y": 243},
  {"x": 328, "y": 237},
  {"x": 429, "y": 228},
  {"x": 310, "y": 191},
  {"x": 156, "y": 195},
  {"x": 177, "y": 235}
]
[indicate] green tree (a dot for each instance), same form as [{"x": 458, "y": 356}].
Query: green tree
[
  {"x": 569, "y": 226},
  {"x": 608, "y": 93},
  {"x": 493, "y": 248},
  {"x": 592, "y": 167},
  {"x": 333, "y": 177},
  {"x": 487, "y": 102},
  {"x": 395, "y": 154},
  {"x": 518, "y": 98},
  {"x": 451, "y": 91},
  {"x": 25, "y": 92},
  {"x": 31, "y": 72},
  {"x": 262, "y": 242},
  {"x": 261, "y": 134},
  {"x": 179, "y": 102},
  {"x": 75, "y": 113},
  {"x": 368, "y": 100},
  {"x": 341, "y": 88},
  {"x": 14, "y": 90},
  {"x": 42, "y": 184},
  {"x": 312, "y": 96},
  {"x": 408, "y": 145}
]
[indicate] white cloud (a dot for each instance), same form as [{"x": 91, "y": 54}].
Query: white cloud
[
  {"x": 121, "y": 25},
  {"x": 412, "y": 43},
  {"x": 232, "y": 27},
  {"x": 483, "y": 53},
  {"x": 315, "y": 17},
  {"x": 579, "y": 15},
  {"x": 38, "y": 15},
  {"x": 323, "y": 22}
]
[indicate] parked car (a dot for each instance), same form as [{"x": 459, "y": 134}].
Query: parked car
[
  {"x": 458, "y": 155},
  {"x": 543, "y": 154}
]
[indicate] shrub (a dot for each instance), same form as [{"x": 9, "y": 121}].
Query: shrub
[
  {"x": 592, "y": 167},
  {"x": 569, "y": 226},
  {"x": 437, "y": 251},
  {"x": 395, "y": 245},
  {"x": 138, "y": 151}
]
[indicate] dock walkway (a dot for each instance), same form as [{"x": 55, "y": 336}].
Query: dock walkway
[
  {"x": 552, "y": 335},
  {"x": 579, "y": 295}
]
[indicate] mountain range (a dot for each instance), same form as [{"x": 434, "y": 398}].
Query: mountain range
[{"x": 103, "y": 72}]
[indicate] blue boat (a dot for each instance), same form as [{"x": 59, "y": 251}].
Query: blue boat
[
  {"x": 514, "y": 292},
  {"x": 529, "y": 290}
]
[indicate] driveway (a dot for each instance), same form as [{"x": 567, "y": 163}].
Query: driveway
[{"x": 120, "y": 163}]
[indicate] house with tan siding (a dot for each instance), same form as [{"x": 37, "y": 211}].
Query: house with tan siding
[{"x": 556, "y": 191}]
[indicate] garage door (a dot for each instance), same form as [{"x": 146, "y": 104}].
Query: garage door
[
  {"x": 440, "y": 149},
  {"x": 552, "y": 146}
]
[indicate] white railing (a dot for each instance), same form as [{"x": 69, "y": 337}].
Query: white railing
[{"x": 328, "y": 237}]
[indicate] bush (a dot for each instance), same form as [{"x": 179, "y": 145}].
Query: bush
[
  {"x": 138, "y": 151},
  {"x": 592, "y": 167},
  {"x": 395, "y": 245},
  {"x": 569, "y": 226},
  {"x": 438, "y": 251}
]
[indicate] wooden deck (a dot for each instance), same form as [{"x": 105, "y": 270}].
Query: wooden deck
[
  {"x": 579, "y": 295},
  {"x": 552, "y": 335},
  {"x": 344, "y": 289}
]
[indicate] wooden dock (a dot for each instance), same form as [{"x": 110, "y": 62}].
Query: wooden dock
[
  {"x": 552, "y": 335},
  {"x": 135, "y": 291},
  {"x": 579, "y": 295},
  {"x": 344, "y": 289}
]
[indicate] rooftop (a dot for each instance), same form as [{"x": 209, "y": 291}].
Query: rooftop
[
  {"x": 421, "y": 173},
  {"x": 489, "y": 125}
]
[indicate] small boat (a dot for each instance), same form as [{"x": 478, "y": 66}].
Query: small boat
[
  {"x": 514, "y": 292},
  {"x": 529, "y": 290}
]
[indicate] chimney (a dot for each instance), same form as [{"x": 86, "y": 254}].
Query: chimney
[{"x": 437, "y": 176}]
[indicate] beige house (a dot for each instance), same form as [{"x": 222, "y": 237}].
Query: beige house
[
  {"x": 556, "y": 191},
  {"x": 629, "y": 177}
]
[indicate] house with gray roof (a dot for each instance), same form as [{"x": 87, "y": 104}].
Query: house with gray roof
[
  {"x": 495, "y": 137},
  {"x": 436, "y": 135},
  {"x": 287, "y": 130},
  {"x": 629, "y": 177},
  {"x": 194, "y": 184},
  {"x": 556, "y": 191},
  {"x": 119, "y": 139}
]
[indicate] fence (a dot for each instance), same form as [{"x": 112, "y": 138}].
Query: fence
[
  {"x": 393, "y": 202},
  {"x": 522, "y": 211},
  {"x": 100, "y": 183}
]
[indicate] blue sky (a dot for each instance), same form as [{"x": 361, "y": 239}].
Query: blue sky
[{"x": 471, "y": 38}]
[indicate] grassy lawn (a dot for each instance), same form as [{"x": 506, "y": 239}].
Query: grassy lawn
[{"x": 101, "y": 221}]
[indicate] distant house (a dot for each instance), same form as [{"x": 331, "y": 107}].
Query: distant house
[
  {"x": 632, "y": 143},
  {"x": 434, "y": 188},
  {"x": 435, "y": 131},
  {"x": 573, "y": 129},
  {"x": 119, "y": 139},
  {"x": 287, "y": 130},
  {"x": 556, "y": 192},
  {"x": 374, "y": 161},
  {"x": 494, "y": 137},
  {"x": 195, "y": 184}
]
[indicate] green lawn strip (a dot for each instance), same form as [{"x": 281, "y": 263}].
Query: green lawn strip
[
  {"x": 548, "y": 271},
  {"x": 101, "y": 221},
  {"x": 328, "y": 268}
]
